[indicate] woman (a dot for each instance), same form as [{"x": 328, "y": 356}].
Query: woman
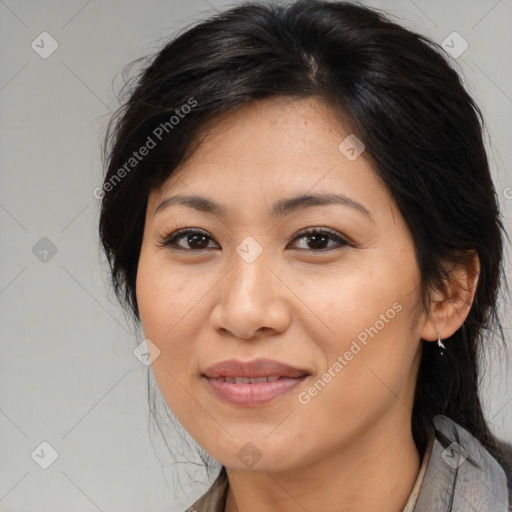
[{"x": 298, "y": 209}]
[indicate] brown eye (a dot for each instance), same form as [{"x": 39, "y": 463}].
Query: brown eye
[
  {"x": 318, "y": 239},
  {"x": 188, "y": 239}
]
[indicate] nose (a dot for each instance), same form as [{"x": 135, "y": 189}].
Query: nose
[{"x": 251, "y": 300}]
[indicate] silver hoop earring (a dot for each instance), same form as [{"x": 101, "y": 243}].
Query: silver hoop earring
[{"x": 440, "y": 344}]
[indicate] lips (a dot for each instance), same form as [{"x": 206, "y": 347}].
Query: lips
[
  {"x": 253, "y": 383},
  {"x": 255, "y": 369}
]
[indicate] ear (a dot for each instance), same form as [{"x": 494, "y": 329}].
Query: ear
[{"x": 450, "y": 306}]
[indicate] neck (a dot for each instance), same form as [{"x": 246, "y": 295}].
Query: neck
[{"x": 376, "y": 473}]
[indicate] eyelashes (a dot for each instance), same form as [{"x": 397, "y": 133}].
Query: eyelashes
[
  {"x": 171, "y": 240},
  {"x": 200, "y": 238}
]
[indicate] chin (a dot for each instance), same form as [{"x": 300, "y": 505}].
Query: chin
[{"x": 257, "y": 456}]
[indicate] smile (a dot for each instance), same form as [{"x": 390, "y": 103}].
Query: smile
[{"x": 252, "y": 383}]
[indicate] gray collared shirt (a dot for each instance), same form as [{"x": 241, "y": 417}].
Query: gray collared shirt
[{"x": 463, "y": 477}]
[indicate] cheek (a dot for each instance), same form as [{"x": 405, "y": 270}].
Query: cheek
[
  {"x": 162, "y": 295},
  {"x": 163, "y": 304},
  {"x": 366, "y": 335},
  {"x": 357, "y": 304},
  {"x": 362, "y": 381}
]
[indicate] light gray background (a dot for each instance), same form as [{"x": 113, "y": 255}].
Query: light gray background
[{"x": 68, "y": 373}]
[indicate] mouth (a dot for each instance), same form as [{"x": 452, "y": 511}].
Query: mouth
[
  {"x": 253, "y": 383},
  {"x": 257, "y": 368},
  {"x": 249, "y": 380}
]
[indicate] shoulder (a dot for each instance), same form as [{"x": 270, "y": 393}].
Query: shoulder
[{"x": 461, "y": 473}]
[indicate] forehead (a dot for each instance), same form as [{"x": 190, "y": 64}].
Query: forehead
[
  {"x": 274, "y": 148},
  {"x": 277, "y": 129}
]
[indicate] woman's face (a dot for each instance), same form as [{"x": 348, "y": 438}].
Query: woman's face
[{"x": 252, "y": 285}]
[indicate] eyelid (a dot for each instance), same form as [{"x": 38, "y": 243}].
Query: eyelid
[{"x": 319, "y": 230}]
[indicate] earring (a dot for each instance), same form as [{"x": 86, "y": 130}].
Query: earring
[{"x": 440, "y": 344}]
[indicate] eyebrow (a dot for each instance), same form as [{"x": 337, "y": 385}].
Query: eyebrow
[{"x": 280, "y": 208}]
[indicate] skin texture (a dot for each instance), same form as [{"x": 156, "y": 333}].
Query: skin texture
[{"x": 304, "y": 308}]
